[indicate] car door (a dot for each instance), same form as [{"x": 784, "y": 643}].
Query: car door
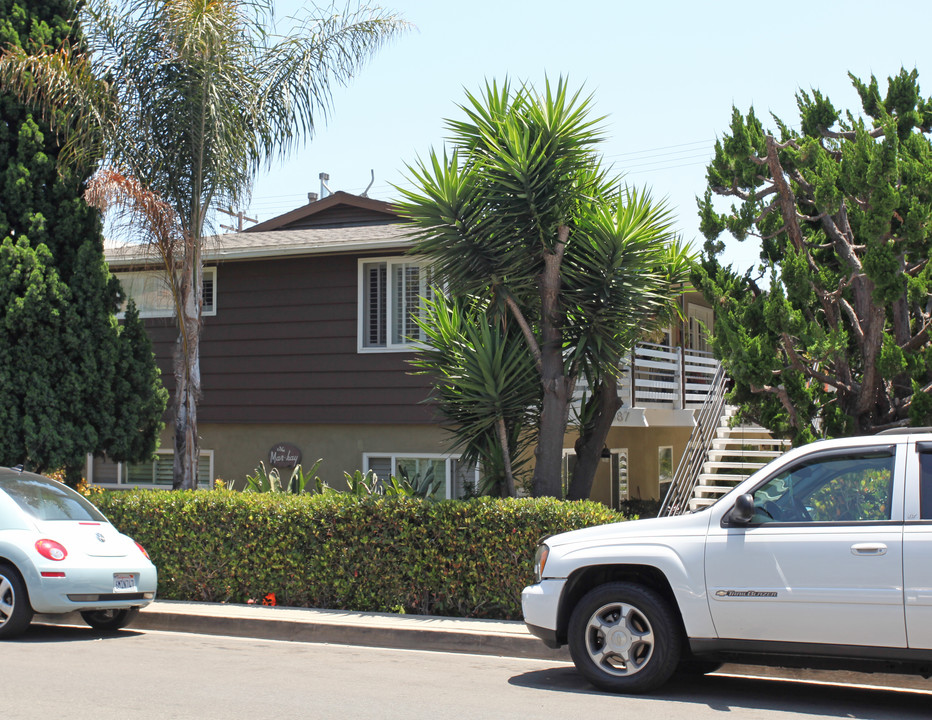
[
  {"x": 822, "y": 559},
  {"x": 917, "y": 545}
]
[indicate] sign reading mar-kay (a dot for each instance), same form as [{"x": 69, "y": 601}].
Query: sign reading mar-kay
[{"x": 284, "y": 455}]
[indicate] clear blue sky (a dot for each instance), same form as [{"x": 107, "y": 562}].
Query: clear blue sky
[{"x": 665, "y": 74}]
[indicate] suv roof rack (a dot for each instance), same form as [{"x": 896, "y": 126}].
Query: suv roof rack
[{"x": 905, "y": 431}]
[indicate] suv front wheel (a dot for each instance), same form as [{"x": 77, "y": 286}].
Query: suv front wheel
[{"x": 625, "y": 638}]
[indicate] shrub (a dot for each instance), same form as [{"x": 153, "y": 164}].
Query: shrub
[{"x": 373, "y": 554}]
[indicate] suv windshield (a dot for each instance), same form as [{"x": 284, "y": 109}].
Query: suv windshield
[{"x": 46, "y": 499}]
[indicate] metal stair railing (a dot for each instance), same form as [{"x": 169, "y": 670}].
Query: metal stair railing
[{"x": 686, "y": 477}]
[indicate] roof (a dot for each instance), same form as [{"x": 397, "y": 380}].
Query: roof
[
  {"x": 277, "y": 243},
  {"x": 277, "y": 238},
  {"x": 311, "y": 212}
]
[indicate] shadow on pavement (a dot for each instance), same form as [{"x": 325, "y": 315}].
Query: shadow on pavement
[
  {"x": 731, "y": 693},
  {"x": 39, "y": 633}
]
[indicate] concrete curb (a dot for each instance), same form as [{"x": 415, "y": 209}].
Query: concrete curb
[{"x": 417, "y": 632}]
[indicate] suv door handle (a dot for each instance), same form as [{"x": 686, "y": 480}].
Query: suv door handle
[{"x": 869, "y": 549}]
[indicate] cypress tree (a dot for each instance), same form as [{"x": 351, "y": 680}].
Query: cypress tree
[{"x": 72, "y": 379}]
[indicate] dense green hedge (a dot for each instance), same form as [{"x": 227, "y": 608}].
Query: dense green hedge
[{"x": 456, "y": 558}]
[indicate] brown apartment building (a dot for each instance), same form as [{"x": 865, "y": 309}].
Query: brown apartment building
[{"x": 304, "y": 355}]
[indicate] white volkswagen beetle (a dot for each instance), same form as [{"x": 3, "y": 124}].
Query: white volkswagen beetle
[{"x": 59, "y": 554}]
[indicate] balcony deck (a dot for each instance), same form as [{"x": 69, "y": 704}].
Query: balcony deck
[{"x": 662, "y": 377}]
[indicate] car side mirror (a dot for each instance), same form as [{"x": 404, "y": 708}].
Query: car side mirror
[{"x": 743, "y": 511}]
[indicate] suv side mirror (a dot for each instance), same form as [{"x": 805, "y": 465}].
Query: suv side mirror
[{"x": 743, "y": 510}]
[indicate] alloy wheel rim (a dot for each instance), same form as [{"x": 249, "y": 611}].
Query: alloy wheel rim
[{"x": 619, "y": 639}]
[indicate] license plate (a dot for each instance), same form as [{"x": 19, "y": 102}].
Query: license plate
[{"x": 124, "y": 582}]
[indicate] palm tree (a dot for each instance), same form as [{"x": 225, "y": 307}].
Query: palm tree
[
  {"x": 520, "y": 214},
  {"x": 185, "y": 100}
]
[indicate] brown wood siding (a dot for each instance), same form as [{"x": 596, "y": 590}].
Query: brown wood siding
[
  {"x": 282, "y": 349},
  {"x": 342, "y": 216}
]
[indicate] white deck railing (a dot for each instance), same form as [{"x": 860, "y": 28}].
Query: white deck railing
[{"x": 660, "y": 376}]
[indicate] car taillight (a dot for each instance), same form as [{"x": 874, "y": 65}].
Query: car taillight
[
  {"x": 51, "y": 549},
  {"x": 142, "y": 550}
]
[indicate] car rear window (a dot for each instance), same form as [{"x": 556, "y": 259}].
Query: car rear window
[{"x": 48, "y": 500}]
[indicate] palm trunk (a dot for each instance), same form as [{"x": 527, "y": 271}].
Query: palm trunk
[
  {"x": 557, "y": 387},
  {"x": 506, "y": 457},
  {"x": 188, "y": 376},
  {"x": 592, "y": 440}
]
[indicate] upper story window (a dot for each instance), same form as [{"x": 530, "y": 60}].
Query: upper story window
[
  {"x": 153, "y": 297},
  {"x": 392, "y": 293}
]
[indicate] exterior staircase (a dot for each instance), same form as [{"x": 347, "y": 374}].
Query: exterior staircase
[{"x": 735, "y": 454}]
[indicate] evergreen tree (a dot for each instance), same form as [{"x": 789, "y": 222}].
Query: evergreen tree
[
  {"x": 72, "y": 381},
  {"x": 838, "y": 341}
]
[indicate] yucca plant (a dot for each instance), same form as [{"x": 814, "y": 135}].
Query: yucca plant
[{"x": 518, "y": 214}]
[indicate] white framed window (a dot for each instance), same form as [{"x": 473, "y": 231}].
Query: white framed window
[
  {"x": 158, "y": 472},
  {"x": 458, "y": 480},
  {"x": 153, "y": 297},
  {"x": 392, "y": 293},
  {"x": 701, "y": 321},
  {"x": 615, "y": 464}
]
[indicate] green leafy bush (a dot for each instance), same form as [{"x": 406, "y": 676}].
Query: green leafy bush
[{"x": 370, "y": 553}]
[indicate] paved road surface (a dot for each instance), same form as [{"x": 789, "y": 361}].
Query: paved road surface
[{"x": 77, "y": 673}]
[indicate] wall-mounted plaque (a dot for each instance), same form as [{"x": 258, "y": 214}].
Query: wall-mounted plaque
[{"x": 284, "y": 455}]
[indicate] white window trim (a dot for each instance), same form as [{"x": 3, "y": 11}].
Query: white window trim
[
  {"x": 202, "y": 483},
  {"x": 361, "y": 314},
  {"x": 448, "y": 470},
  {"x": 206, "y": 311}
]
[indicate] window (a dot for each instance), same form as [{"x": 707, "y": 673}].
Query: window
[
  {"x": 46, "y": 499},
  {"x": 157, "y": 473},
  {"x": 610, "y": 484},
  {"x": 391, "y": 295},
  {"x": 925, "y": 480},
  {"x": 701, "y": 321},
  {"x": 665, "y": 463},
  {"x": 851, "y": 486},
  {"x": 455, "y": 479},
  {"x": 150, "y": 290}
]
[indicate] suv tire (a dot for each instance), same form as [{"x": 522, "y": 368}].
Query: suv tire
[{"x": 624, "y": 638}]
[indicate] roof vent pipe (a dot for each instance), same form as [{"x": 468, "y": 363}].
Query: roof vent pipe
[
  {"x": 324, "y": 190},
  {"x": 312, "y": 197},
  {"x": 365, "y": 193}
]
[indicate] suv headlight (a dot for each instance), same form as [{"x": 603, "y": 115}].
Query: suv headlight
[{"x": 540, "y": 560}]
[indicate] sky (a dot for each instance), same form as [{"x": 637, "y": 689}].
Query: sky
[{"x": 664, "y": 74}]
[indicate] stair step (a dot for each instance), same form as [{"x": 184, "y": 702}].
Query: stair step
[
  {"x": 731, "y": 464},
  {"x": 696, "y": 503},
  {"x": 726, "y": 431},
  {"x": 770, "y": 454},
  {"x": 716, "y": 490},
  {"x": 723, "y": 442},
  {"x": 705, "y": 478}
]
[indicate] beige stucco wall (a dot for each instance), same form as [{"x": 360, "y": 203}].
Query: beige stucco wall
[
  {"x": 643, "y": 445},
  {"x": 238, "y": 449}
]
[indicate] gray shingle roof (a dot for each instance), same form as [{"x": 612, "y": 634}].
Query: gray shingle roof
[{"x": 277, "y": 243}]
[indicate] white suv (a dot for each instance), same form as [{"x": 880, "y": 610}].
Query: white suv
[{"x": 821, "y": 559}]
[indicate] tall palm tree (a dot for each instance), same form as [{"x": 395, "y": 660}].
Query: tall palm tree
[
  {"x": 185, "y": 100},
  {"x": 520, "y": 214}
]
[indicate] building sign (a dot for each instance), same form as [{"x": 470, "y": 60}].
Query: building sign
[{"x": 284, "y": 455}]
